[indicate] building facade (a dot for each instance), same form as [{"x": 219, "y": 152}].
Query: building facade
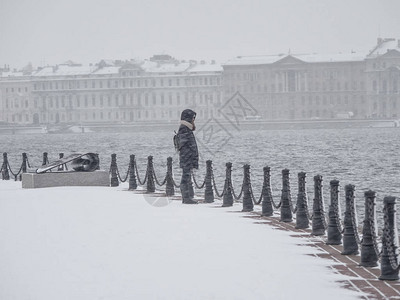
[
  {"x": 111, "y": 92},
  {"x": 299, "y": 87},
  {"x": 279, "y": 87}
]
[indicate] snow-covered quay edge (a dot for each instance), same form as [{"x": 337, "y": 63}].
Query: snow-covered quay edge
[{"x": 109, "y": 243}]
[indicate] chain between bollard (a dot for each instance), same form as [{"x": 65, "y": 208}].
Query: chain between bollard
[
  {"x": 157, "y": 181},
  {"x": 27, "y": 162},
  {"x": 175, "y": 184},
  {"x": 254, "y": 199},
  {"x": 233, "y": 191},
  {"x": 277, "y": 206},
  {"x": 126, "y": 176},
  {"x": 15, "y": 174},
  {"x": 195, "y": 181},
  {"x": 138, "y": 177},
  {"x": 215, "y": 188}
]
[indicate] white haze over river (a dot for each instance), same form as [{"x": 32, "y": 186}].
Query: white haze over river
[{"x": 369, "y": 158}]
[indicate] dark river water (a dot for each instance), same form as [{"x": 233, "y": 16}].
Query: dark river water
[{"x": 368, "y": 158}]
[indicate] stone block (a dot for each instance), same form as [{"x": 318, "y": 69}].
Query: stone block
[{"x": 53, "y": 179}]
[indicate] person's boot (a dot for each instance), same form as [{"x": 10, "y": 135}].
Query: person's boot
[
  {"x": 190, "y": 201},
  {"x": 185, "y": 194}
]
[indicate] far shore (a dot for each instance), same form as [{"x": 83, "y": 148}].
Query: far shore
[{"x": 168, "y": 126}]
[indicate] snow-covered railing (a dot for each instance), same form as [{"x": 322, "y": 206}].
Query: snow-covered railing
[{"x": 337, "y": 233}]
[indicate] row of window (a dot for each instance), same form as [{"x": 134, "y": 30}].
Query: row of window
[
  {"x": 122, "y": 83},
  {"x": 110, "y": 116},
  {"x": 277, "y": 74},
  {"x": 291, "y": 86},
  {"x": 15, "y": 90},
  {"x": 125, "y": 100},
  {"x": 385, "y": 87}
]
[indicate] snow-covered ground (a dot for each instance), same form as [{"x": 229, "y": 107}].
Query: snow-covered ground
[{"x": 110, "y": 243}]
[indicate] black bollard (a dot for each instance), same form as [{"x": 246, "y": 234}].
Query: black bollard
[
  {"x": 61, "y": 167},
  {"x": 369, "y": 246},
  {"x": 248, "y": 204},
  {"x": 318, "y": 219},
  {"x": 24, "y": 166},
  {"x": 286, "y": 198},
  {"x": 208, "y": 192},
  {"x": 228, "y": 197},
  {"x": 389, "y": 261},
  {"x": 151, "y": 186},
  {"x": 113, "y": 170},
  {"x": 169, "y": 189},
  {"x": 4, "y": 169},
  {"x": 267, "y": 209},
  {"x": 45, "y": 159},
  {"x": 132, "y": 173},
  {"x": 98, "y": 165},
  {"x": 350, "y": 244},
  {"x": 334, "y": 227},
  {"x": 302, "y": 216}
]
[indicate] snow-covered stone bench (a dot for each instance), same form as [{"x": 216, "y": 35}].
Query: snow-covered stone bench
[{"x": 52, "y": 179}]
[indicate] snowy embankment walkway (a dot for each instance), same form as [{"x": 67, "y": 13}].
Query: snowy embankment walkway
[{"x": 110, "y": 243}]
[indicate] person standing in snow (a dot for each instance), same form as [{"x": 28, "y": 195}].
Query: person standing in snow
[{"x": 188, "y": 154}]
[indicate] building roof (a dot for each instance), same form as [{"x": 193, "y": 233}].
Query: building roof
[
  {"x": 64, "y": 70},
  {"x": 106, "y": 70},
  {"x": 205, "y": 68},
  {"x": 11, "y": 74},
  {"x": 383, "y": 46},
  {"x": 337, "y": 57},
  {"x": 254, "y": 60},
  {"x": 308, "y": 58},
  {"x": 167, "y": 67}
]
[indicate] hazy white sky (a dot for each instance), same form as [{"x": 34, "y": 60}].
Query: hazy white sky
[{"x": 53, "y": 31}]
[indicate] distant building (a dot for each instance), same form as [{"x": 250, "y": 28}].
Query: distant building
[
  {"x": 312, "y": 86},
  {"x": 279, "y": 87},
  {"x": 111, "y": 92},
  {"x": 382, "y": 70}
]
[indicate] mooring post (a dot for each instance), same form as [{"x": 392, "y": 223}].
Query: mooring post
[
  {"x": 98, "y": 165},
  {"x": 286, "y": 198},
  {"x": 169, "y": 188},
  {"x": 389, "y": 260},
  {"x": 132, "y": 173},
  {"x": 318, "y": 219},
  {"x": 113, "y": 170},
  {"x": 208, "y": 192},
  {"x": 350, "y": 243},
  {"x": 4, "y": 169},
  {"x": 369, "y": 245},
  {"x": 228, "y": 197},
  {"x": 302, "y": 215},
  {"x": 334, "y": 226},
  {"x": 24, "y": 166},
  {"x": 267, "y": 209},
  {"x": 248, "y": 204},
  {"x": 151, "y": 186},
  {"x": 45, "y": 159},
  {"x": 61, "y": 167}
]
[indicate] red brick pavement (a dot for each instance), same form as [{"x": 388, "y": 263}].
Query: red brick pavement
[{"x": 361, "y": 278}]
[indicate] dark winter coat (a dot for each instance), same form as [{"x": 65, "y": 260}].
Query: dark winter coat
[{"x": 188, "y": 152}]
